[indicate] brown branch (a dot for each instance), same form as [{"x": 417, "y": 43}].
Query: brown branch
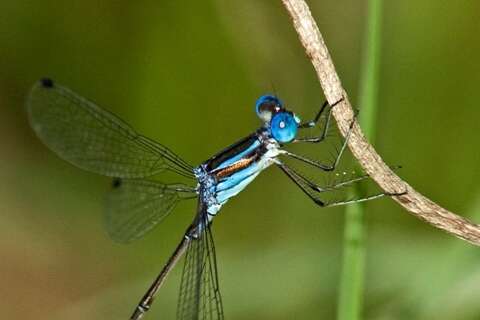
[{"x": 371, "y": 162}]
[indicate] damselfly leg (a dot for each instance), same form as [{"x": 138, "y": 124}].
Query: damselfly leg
[
  {"x": 325, "y": 167},
  {"x": 314, "y": 122},
  {"x": 313, "y": 190}
]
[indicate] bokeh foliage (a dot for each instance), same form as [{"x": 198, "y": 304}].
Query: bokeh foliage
[{"x": 187, "y": 74}]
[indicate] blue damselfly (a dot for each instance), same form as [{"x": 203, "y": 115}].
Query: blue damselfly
[{"x": 94, "y": 139}]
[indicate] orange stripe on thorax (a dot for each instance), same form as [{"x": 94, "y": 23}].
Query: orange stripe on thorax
[{"x": 237, "y": 166}]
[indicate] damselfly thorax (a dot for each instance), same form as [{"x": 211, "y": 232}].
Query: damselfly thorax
[{"x": 227, "y": 173}]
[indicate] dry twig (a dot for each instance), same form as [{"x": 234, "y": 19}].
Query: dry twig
[{"x": 371, "y": 162}]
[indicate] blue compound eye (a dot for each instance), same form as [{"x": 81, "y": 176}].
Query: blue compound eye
[
  {"x": 267, "y": 106},
  {"x": 284, "y": 127}
]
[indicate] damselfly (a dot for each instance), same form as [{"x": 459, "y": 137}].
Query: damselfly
[{"x": 96, "y": 140}]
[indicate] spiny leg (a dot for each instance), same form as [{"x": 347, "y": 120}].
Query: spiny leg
[
  {"x": 303, "y": 184},
  {"x": 325, "y": 167},
  {"x": 311, "y": 189},
  {"x": 355, "y": 179},
  {"x": 368, "y": 198},
  {"x": 314, "y": 122}
]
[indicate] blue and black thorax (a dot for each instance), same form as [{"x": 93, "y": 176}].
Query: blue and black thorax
[{"x": 235, "y": 167}]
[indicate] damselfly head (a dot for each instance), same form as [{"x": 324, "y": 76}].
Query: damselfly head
[
  {"x": 284, "y": 126},
  {"x": 267, "y": 106}
]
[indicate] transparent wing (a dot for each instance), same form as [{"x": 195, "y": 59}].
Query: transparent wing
[
  {"x": 134, "y": 207},
  {"x": 94, "y": 139},
  {"x": 200, "y": 297}
]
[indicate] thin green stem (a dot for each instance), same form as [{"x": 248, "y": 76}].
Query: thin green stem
[
  {"x": 352, "y": 277},
  {"x": 354, "y": 249},
  {"x": 370, "y": 72}
]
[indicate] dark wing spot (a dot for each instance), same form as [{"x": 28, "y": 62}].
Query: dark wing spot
[
  {"x": 116, "y": 183},
  {"x": 47, "y": 83}
]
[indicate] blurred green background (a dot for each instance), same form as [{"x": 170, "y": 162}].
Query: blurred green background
[{"x": 187, "y": 74}]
